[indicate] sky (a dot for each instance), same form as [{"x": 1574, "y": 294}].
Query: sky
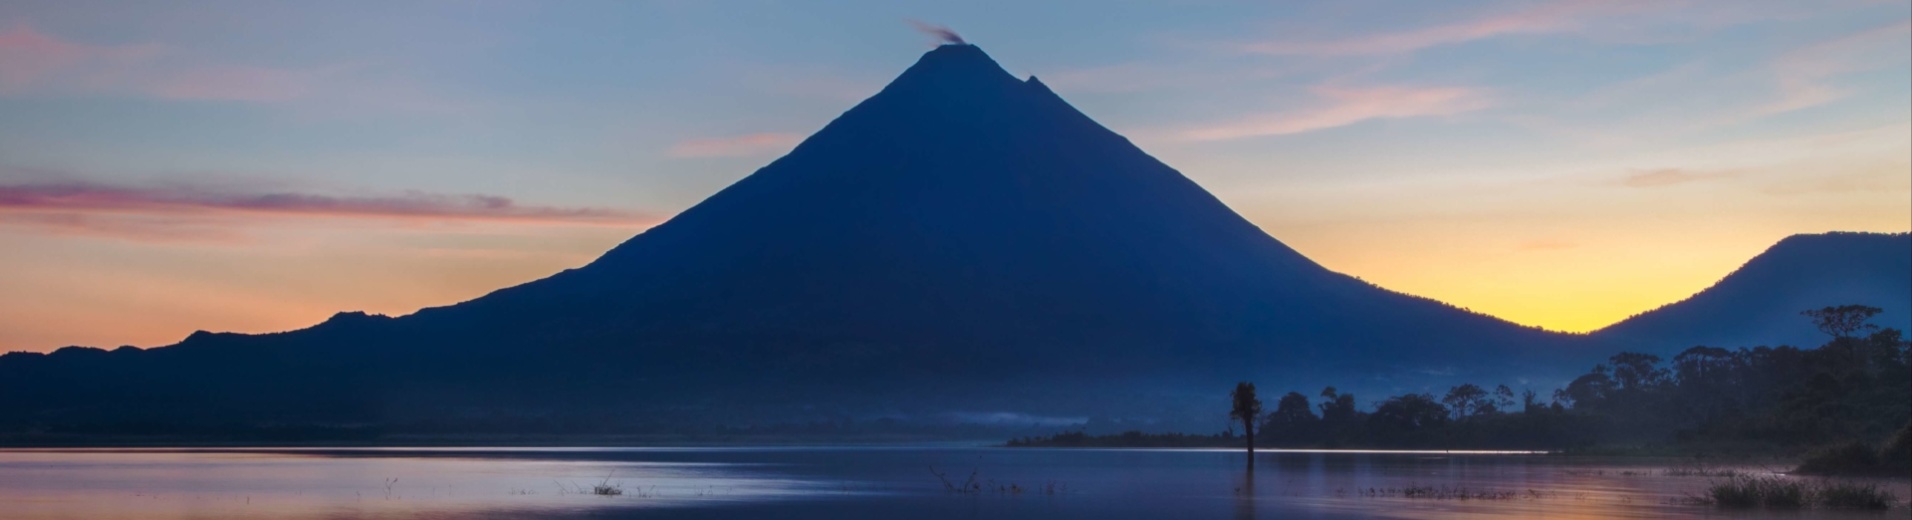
[{"x": 258, "y": 166}]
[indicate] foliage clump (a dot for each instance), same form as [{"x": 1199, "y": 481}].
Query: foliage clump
[{"x": 1784, "y": 493}]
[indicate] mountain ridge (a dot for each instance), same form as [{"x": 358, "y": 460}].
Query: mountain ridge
[{"x": 1759, "y": 302}]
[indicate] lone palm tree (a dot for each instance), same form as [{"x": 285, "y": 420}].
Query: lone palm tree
[{"x": 1247, "y": 410}]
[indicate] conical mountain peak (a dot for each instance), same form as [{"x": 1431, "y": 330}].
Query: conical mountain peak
[
  {"x": 961, "y": 226},
  {"x": 957, "y": 62},
  {"x": 953, "y": 71}
]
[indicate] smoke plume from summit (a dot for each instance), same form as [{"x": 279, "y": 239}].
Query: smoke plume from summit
[{"x": 940, "y": 32}]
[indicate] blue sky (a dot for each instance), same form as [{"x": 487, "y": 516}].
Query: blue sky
[{"x": 1557, "y": 163}]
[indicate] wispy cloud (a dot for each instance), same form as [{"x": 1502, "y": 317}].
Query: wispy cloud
[
  {"x": 35, "y": 63},
  {"x": 1671, "y": 176},
  {"x": 1346, "y": 106},
  {"x": 1151, "y": 76},
  {"x": 180, "y": 212},
  {"x": 32, "y": 61},
  {"x": 1805, "y": 74},
  {"x": 102, "y": 198},
  {"x": 1699, "y": 97},
  {"x": 1549, "y": 17},
  {"x": 737, "y": 146},
  {"x": 1629, "y": 21}
]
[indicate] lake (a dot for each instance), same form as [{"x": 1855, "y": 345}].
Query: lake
[{"x": 855, "y": 482}]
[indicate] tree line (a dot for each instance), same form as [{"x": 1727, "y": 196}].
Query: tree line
[{"x": 1857, "y": 386}]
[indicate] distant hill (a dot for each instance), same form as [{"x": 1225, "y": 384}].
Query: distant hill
[
  {"x": 963, "y": 246},
  {"x": 1759, "y": 304}
]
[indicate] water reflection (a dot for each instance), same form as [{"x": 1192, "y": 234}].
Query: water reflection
[
  {"x": 313, "y": 484},
  {"x": 1245, "y": 495},
  {"x": 826, "y": 483}
]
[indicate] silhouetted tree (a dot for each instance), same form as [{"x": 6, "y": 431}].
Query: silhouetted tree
[
  {"x": 1293, "y": 421},
  {"x": 1503, "y": 399},
  {"x": 1701, "y": 364},
  {"x": 1337, "y": 407},
  {"x": 1843, "y": 321},
  {"x": 1634, "y": 371},
  {"x": 1589, "y": 390},
  {"x": 1529, "y": 401},
  {"x": 1409, "y": 413},
  {"x": 1247, "y": 409},
  {"x": 1465, "y": 400}
]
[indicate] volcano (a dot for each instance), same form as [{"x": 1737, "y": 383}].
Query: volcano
[{"x": 963, "y": 244}]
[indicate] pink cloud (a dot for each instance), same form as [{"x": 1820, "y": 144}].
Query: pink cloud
[
  {"x": 742, "y": 145},
  {"x": 1634, "y": 21},
  {"x": 1805, "y": 75},
  {"x": 30, "y": 59},
  {"x": 1545, "y": 18},
  {"x": 1147, "y": 76},
  {"x": 1348, "y": 106},
  {"x": 34, "y": 63},
  {"x": 184, "y": 212}
]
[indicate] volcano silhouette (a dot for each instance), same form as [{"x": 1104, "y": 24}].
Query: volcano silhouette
[
  {"x": 961, "y": 241},
  {"x": 963, "y": 206}
]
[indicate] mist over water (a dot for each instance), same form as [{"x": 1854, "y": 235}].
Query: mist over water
[{"x": 830, "y": 483}]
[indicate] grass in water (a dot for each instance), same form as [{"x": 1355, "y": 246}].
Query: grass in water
[
  {"x": 1847, "y": 495},
  {"x": 1443, "y": 493},
  {"x": 1789, "y": 493},
  {"x": 606, "y": 488},
  {"x": 1700, "y": 470}
]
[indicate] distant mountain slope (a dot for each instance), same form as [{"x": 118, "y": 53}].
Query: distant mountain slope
[
  {"x": 963, "y": 241},
  {"x": 1759, "y": 304}
]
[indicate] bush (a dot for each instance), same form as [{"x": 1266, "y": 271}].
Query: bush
[
  {"x": 1843, "y": 459},
  {"x": 1785, "y": 494},
  {"x": 1734, "y": 494},
  {"x": 1897, "y": 454},
  {"x": 1767, "y": 492},
  {"x": 1846, "y": 495},
  {"x": 1789, "y": 493},
  {"x": 1858, "y": 458}
]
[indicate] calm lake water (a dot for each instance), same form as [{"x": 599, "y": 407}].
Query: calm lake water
[{"x": 886, "y": 482}]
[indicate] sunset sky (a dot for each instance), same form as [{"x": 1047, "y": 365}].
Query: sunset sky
[{"x": 257, "y": 166}]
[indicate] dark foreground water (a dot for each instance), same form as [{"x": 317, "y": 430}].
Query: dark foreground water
[{"x": 800, "y": 483}]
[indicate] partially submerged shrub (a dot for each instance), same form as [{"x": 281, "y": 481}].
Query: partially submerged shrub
[
  {"x": 1735, "y": 493},
  {"x": 1785, "y": 494},
  {"x": 606, "y": 488},
  {"x": 1848, "y": 458},
  {"x": 1792, "y": 493},
  {"x": 1751, "y": 492},
  {"x": 1897, "y": 454},
  {"x": 1701, "y": 470},
  {"x": 1893, "y": 458},
  {"x": 1443, "y": 493},
  {"x": 969, "y": 486},
  {"x": 1849, "y": 495}
]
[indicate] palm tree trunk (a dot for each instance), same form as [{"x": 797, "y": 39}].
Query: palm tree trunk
[{"x": 1249, "y": 426}]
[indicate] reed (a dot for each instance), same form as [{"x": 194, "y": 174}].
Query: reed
[
  {"x": 606, "y": 488},
  {"x": 1780, "y": 493}
]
